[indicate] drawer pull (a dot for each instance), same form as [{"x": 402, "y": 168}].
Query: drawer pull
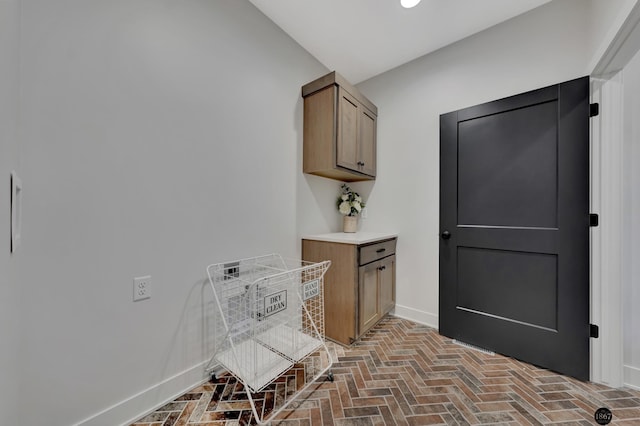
[{"x": 382, "y": 250}]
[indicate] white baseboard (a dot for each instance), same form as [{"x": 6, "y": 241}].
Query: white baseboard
[
  {"x": 416, "y": 315},
  {"x": 632, "y": 377},
  {"x": 147, "y": 401}
]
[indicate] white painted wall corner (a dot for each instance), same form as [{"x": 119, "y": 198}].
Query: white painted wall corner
[{"x": 416, "y": 315}]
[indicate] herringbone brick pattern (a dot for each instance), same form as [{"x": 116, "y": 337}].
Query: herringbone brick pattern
[{"x": 402, "y": 373}]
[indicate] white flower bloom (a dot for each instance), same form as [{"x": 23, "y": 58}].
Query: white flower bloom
[
  {"x": 349, "y": 203},
  {"x": 345, "y": 208}
]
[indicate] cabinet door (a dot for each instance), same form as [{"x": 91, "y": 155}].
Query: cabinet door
[
  {"x": 369, "y": 302},
  {"x": 387, "y": 277},
  {"x": 367, "y": 143},
  {"x": 347, "y": 140}
]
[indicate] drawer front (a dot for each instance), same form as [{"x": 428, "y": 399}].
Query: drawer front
[{"x": 377, "y": 251}]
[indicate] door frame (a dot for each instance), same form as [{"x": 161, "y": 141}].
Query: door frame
[
  {"x": 607, "y": 239},
  {"x": 607, "y": 352}
]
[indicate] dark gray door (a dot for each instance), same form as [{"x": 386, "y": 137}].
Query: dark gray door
[{"x": 514, "y": 223}]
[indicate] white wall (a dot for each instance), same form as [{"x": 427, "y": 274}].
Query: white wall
[
  {"x": 519, "y": 55},
  {"x": 606, "y": 19},
  {"x": 159, "y": 136},
  {"x": 631, "y": 223},
  {"x": 10, "y": 318}
]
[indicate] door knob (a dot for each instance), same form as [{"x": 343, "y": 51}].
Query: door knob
[{"x": 446, "y": 235}]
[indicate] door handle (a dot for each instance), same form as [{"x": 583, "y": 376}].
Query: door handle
[{"x": 446, "y": 235}]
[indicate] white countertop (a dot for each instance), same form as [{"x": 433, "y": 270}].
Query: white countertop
[{"x": 356, "y": 238}]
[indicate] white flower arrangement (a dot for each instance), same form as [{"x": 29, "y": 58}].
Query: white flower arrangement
[{"x": 349, "y": 203}]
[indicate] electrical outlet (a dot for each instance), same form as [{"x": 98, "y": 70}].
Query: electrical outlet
[{"x": 141, "y": 288}]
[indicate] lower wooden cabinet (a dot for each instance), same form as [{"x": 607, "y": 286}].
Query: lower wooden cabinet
[{"x": 359, "y": 287}]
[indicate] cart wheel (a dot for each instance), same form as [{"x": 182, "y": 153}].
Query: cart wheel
[{"x": 330, "y": 376}]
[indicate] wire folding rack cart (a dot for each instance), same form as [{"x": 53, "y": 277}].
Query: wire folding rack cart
[{"x": 271, "y": 312}]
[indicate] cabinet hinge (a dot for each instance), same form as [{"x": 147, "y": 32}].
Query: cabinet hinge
[
  {"x": 593, "y": 219},
  {"x": 594, "y": 331},
  {"x": 594, "y": 110}
]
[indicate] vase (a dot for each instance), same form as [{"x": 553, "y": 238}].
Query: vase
[{"x": 349, "y": 223}]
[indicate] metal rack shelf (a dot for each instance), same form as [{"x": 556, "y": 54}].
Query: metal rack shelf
[{"x": 271, "y": 316}]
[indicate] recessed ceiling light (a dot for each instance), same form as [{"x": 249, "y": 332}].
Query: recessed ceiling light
[{"x": 409, "y": 3}]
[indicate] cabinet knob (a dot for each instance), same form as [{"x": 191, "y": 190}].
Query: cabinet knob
[{"x": 446, "y": 235}]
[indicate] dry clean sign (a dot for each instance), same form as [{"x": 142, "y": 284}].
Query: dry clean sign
[{"x": 275, "y": 302}]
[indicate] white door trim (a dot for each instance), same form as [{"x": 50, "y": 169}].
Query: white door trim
[
  {"x": 607, "y": 352},
  {"x": 606, "y": 239}
]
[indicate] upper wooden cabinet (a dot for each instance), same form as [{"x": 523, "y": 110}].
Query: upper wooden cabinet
[{"x": 339, "y": 130}]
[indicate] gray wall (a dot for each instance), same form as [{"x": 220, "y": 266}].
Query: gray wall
[
  {"x": 10, "y": 315},
  {"x": 159, "y": 136}
]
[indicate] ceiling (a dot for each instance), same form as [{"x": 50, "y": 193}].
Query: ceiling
[{"x": 363, "y": 38}]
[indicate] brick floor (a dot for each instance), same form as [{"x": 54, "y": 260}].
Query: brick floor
[{"x": 403, "y": 373}]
